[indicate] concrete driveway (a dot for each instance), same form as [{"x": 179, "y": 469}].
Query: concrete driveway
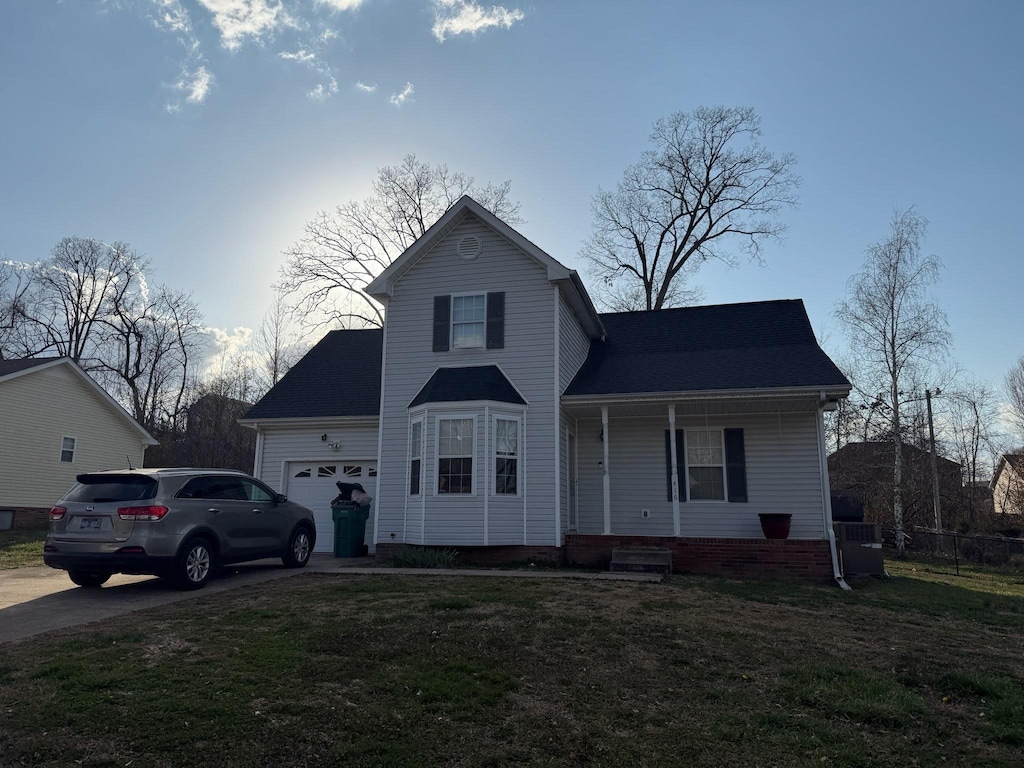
[{"x": 37, "y": 600}]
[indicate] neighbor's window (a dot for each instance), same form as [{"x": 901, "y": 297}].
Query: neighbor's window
[
  {"x": 415, "y": 457},
  {"x": 506, "y": 456},
  {"x": 705, "y": 464},
  {"x": 67, "y": 450},
  {"x": 455, "y": 456},
  {"x": 469, "y": 315}
]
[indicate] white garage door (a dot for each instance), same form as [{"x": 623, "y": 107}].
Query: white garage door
[{"x": 312, "y": 484}]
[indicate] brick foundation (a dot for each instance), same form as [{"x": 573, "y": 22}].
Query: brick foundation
[
  {"x": 29, "y": 517},
  {"x": 486, "y": 556},
  {"x": 790, "y": 559}
]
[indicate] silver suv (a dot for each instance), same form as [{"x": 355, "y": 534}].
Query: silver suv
[{"x": 175, "y": 523}]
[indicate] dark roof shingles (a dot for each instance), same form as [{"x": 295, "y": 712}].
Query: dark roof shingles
[
  {"x": 759, "y": 345},
  {"x": 338, "y": 377},
  {"x": 13, "y": 366},
  {"x": 484, "y": 382}
]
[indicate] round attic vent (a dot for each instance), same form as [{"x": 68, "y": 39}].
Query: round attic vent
[{"x": 469, "y": 247}]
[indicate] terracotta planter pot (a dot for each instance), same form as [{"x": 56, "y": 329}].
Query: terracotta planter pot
[{"x": 775, "y": 525}]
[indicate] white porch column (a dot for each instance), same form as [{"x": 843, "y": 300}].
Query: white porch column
[
  {"x": 675, "y": 465},
  {"x": 607, "y": 478}
]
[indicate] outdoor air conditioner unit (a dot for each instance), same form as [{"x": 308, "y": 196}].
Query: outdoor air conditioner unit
[{"x": 860, "y": 549}]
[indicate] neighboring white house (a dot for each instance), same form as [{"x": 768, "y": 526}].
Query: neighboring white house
[
  {"x": 56, "y": 423},
  {"x": 510, "y": 420},
  {"x": 1008, "y": 485}
]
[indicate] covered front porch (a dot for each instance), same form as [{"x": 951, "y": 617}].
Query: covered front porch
[{"x": 735, "y": 455}]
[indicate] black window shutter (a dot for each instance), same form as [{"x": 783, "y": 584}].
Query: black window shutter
[
  {"x": 496, "y": 320},
  {"x": 680, "y": 448},
  {"x": 736, "y": 464},
  {"x": 442, "y": 322}
]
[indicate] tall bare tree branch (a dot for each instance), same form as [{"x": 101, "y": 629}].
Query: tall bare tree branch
[{"x": 707, "y": 182}]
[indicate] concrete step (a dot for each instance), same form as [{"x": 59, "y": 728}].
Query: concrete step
[{"x": 641, "y": 559}]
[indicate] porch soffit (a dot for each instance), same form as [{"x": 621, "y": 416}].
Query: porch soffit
[{"x": 730, "y": 407}]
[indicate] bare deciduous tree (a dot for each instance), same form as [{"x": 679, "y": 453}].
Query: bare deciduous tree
[
  {"x": 70, "y": 295},
  {"x": 341, "y": 251},
  {"x": 707, "y": 182},
  {"x": 276, "y": 346},
  {"x": 1015, "y": 395},
  {"x": 151, "y": 342},
  {"x": 15, "y": 280},
  {"x": 895, "y": 330}
]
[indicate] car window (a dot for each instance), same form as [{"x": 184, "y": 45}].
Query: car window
[
  {"x": 229, "y": 488},
  {"x": 196, "y": 488},
  {"x": 256, "y": 492},
  {"x": 98, "y": 489}
]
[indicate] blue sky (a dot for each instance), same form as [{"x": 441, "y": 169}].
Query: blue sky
[{"x": 205, "y": 132}]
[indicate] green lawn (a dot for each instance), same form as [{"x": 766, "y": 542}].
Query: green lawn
[
  {"x": 921, "y": 669},
  {"x": 19, "y": 549}
]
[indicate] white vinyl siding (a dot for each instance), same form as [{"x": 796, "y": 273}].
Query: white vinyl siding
[
  {"x": 37, "y": 411},
  {"x": 286, "y": 444},
  {"x": 573, "y": 345},
  {"x": 782, "y": 468},
  {"x": 526, "y": 360}
]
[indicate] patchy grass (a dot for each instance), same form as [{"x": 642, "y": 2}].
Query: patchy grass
[
  {"x": 21, "y": 549},
  {"x": 418, "y": 671}
]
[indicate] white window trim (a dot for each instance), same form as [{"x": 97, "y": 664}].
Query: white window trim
[
  {"x": 74, "y": 449},
  {"x": 451, "y": 320},
  {"x": 421, "y": 420},
  {"x": 436, "y": 474},
  {"x": 724, "y": 465},
  {"x": 493, "y": 469}
]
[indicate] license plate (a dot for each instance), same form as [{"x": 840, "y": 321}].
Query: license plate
[{"x": 90, "y": 524}]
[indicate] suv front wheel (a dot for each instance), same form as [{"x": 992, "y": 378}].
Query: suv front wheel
[{"x": 195, "y": 565}]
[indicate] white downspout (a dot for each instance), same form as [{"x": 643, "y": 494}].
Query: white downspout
[{"x": 826, "y": 496}]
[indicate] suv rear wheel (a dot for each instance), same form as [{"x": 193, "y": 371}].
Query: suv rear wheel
[
  {"x": 88, "y": 579},
  {"x": 195, "y": 565},
  {"x": 299, "y": 548}
]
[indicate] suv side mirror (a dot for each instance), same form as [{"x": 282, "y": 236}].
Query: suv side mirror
[{"x": 280, "y": 498}]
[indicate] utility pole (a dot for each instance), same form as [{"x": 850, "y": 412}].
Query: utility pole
[{"x": 935, "y": 463}]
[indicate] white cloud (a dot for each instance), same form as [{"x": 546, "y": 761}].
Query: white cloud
[
  {"x": 460, "y": 17},
  {"x": 239, "y": 19},
  {"x": 224, "y": 346},
  {"x": 398, "y": 99},
  {"x": 361, "y": 86},
  {"x": 323, "y": 92},
  {"x": 341, "y": 5},
  {"x": 302, "y": 56},
  {"x": 198, "y": 85}
]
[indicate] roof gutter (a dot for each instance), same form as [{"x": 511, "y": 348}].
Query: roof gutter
[
  {"x": 826, "y": 494},
  {"x": 332, "y": 421}
]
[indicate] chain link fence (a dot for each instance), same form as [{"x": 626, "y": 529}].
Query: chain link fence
[{"x": 960, "y": 549}]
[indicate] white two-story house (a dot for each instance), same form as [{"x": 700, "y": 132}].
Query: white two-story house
[{"x": 498, "y": 413}]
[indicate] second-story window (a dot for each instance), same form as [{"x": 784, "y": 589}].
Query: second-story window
[
  {"x": 469, "y": 321},
  {"x": 469, "y": 317}
]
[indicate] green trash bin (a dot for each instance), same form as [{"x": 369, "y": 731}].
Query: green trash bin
[{"x": 349, "y": 528}]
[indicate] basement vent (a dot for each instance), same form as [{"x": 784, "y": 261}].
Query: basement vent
[{"x": 469, "y": 247}]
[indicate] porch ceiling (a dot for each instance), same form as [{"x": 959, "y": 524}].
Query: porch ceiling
[{"x": 690, "y": 407}]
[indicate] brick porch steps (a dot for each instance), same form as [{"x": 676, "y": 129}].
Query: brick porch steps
[{"x": 641, "y": 559}]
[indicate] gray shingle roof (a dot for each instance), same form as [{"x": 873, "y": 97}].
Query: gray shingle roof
[
  {"x": 482, "y": 382},
  {"x": 340, "y": 376},
  {"x": 765, "y": 344},
  {"x": 13, "y": 366}
]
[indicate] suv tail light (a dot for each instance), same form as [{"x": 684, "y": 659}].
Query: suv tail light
[
  {"x": 141, "y": 513},
  {"x": 57, "y": 513}
]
